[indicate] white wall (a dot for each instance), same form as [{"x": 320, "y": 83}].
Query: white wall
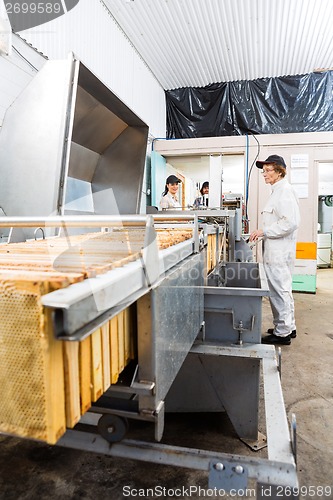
[
  {"x": 91, "y": 33},
  {"x": 16, "y": 70}
]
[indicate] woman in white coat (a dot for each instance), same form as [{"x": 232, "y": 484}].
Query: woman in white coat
[{"x": 281, "y": 219}]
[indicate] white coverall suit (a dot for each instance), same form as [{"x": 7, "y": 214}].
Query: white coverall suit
[{"x": 281, "y": 219}]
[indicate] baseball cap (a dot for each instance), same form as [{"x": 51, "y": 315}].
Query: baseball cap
[
  {"x": 172, "y": 179},
  {"x": 278, "y": 160}
]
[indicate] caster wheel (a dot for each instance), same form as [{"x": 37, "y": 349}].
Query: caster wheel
[{"x": 112, "y": 428}]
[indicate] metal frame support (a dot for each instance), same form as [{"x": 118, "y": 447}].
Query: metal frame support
[
  {"x": 227, "y": 474},
  {"x": 279, "y": 355},
  {"x": 224, "y": 470},
  {"x": 293, "y": 428},
  {"x": 262, "y": 470}
]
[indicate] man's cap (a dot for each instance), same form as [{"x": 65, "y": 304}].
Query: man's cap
[
  {"x": 205, "y": 185},
  {"x": 277, "y": 160},
  {"x": 172, "y": 179}
]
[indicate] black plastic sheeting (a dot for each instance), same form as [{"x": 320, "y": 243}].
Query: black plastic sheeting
[{"x": 302, "y": 103}]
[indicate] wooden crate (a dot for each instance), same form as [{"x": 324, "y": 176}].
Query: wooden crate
[
  {"x": 95, "y": 363},
  {"x": 48, "y": 384},
  {"x": 211, "y": 251},
  {"x": 31, "y": 368}
]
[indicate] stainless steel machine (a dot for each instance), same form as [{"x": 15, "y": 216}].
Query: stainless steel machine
[
  {"x": 76, "y": 160},
  {"x": 76, "y": 148}
]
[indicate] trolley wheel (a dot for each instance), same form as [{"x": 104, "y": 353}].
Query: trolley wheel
[{"x": 112, "y": 428}]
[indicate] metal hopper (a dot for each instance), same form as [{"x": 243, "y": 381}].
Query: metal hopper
[{"x": 68, "y": 145}]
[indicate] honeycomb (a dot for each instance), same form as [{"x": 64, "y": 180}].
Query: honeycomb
[
  {"x": 31, "y": 372},
  {"x": 47, "y": 385}
]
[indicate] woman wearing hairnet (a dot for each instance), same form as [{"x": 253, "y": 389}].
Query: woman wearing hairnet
[{"x": 281, "y": 219}]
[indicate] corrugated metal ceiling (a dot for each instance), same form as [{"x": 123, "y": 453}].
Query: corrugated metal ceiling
[{"x": 192, "y": 43}]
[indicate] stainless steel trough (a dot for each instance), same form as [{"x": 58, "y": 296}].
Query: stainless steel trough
[{"x": 233, "y": 297}]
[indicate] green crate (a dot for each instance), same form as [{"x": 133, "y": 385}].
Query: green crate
[{"x": 304, "y": 283}]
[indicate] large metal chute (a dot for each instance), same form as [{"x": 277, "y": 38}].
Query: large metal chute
[{"x": 75, "y": 147}]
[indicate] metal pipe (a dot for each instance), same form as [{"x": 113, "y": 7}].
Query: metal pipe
[
  {"x": 75, "y": 221},
  {"x": 181, "y": 217},
  {"x": 217, "y": 247},
  {"x": 88, "y": 220},
  {"x": 225, "y": 241}
]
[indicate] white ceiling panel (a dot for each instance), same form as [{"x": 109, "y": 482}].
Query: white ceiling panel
[{"x": 193, "y": 43}]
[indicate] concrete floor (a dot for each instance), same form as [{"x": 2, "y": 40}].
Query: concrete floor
[{"x": 31, "y": 470}]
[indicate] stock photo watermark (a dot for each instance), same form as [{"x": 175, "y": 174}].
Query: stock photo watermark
[
  {"x": 186, "y": 492},
  {"x": 266, "y": 491},
  {"x": 28, "y": 14}
]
